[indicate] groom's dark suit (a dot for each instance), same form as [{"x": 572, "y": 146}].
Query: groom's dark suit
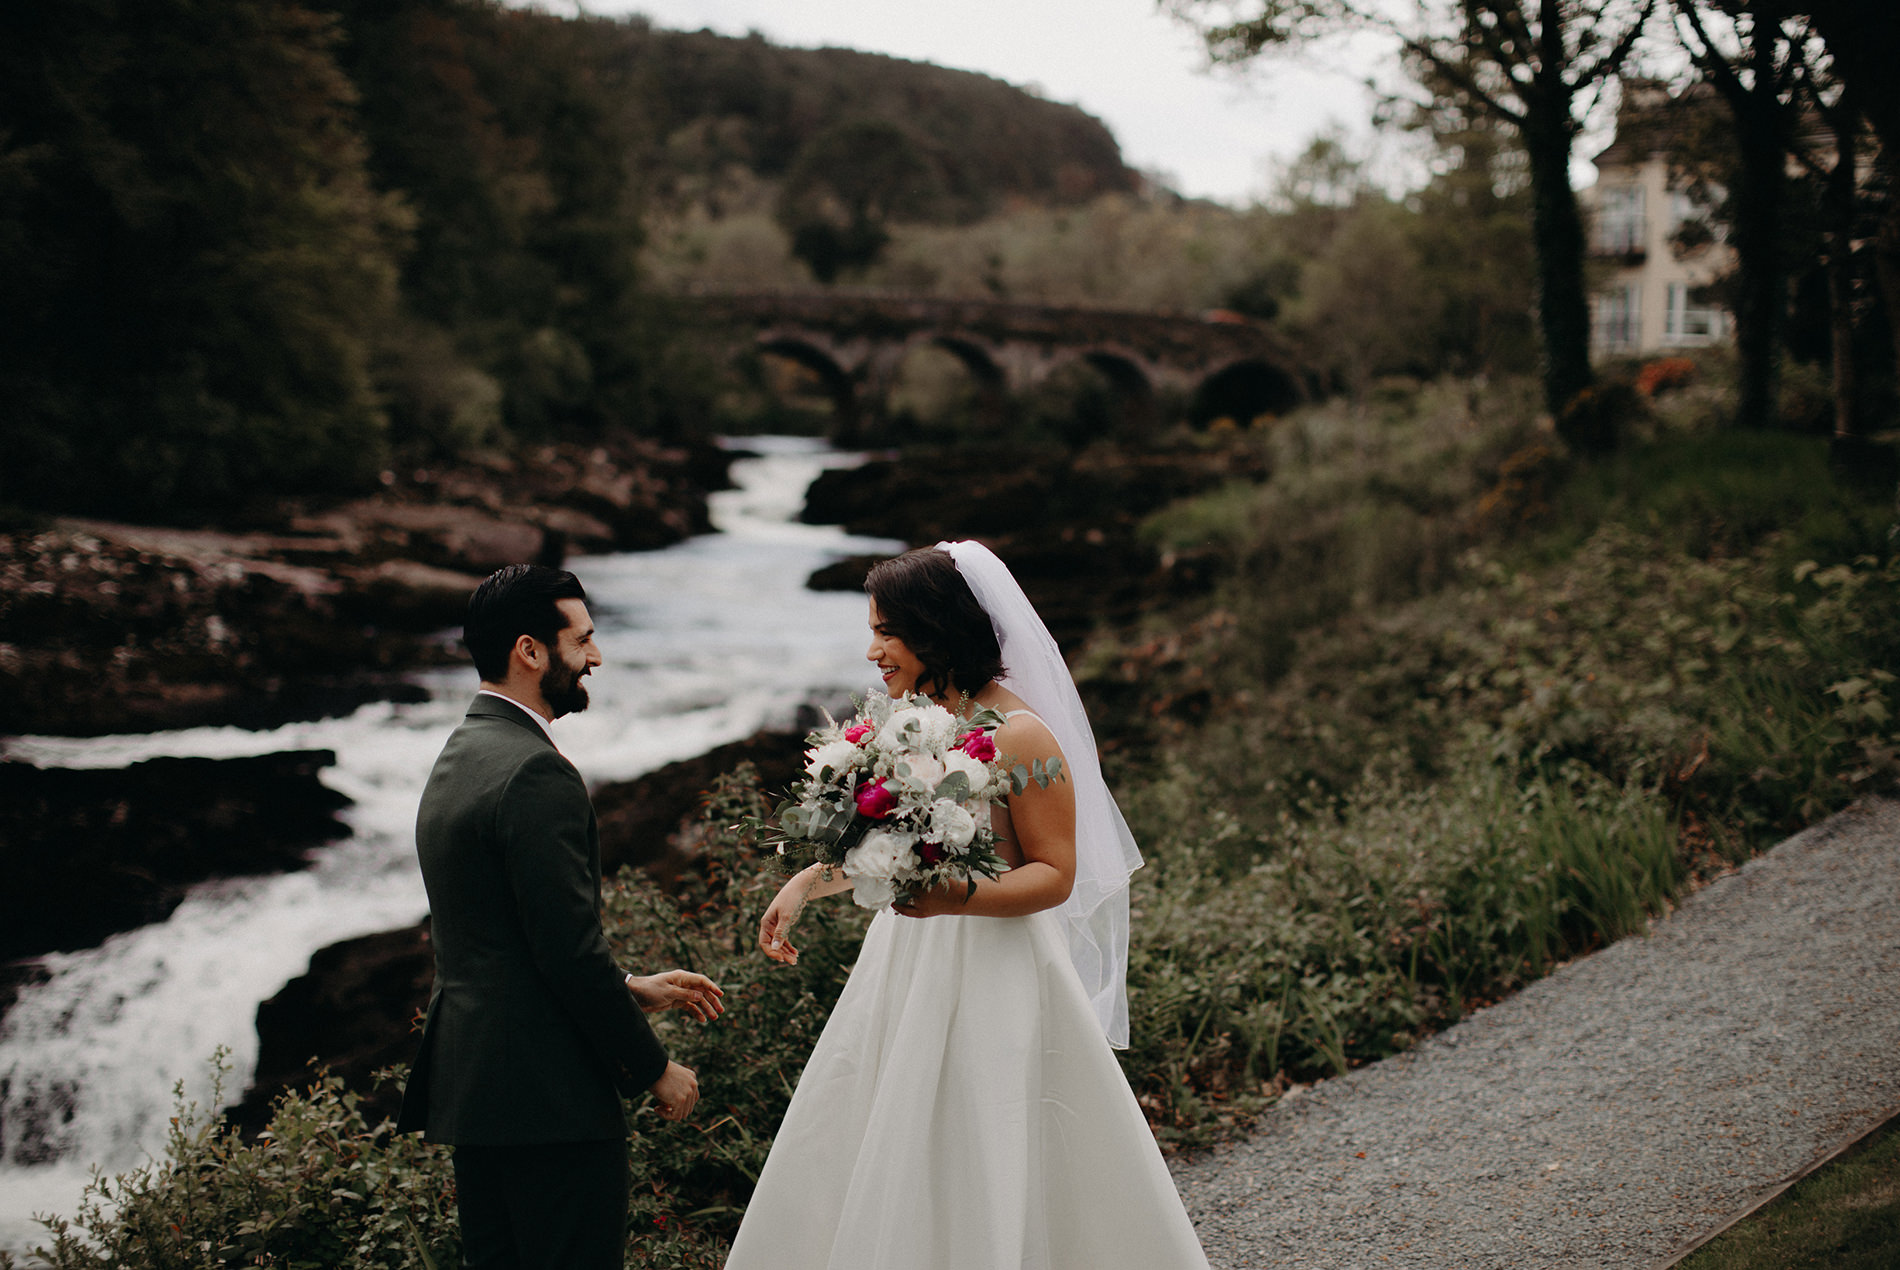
[{"x": 532, "y": 1036}]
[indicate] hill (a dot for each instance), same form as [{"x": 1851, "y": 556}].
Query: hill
[{"x": 714, "y": 103}]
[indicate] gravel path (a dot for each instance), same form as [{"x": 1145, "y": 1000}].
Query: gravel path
[{"x": 1611, "y": 1113}]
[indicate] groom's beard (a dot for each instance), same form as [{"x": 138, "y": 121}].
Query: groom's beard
[{"x": 561, "y": 688}]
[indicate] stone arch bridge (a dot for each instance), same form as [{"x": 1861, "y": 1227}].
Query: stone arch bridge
[{"x": 1219, "y": 364}]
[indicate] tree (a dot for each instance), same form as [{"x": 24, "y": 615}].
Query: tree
[
  {"x": 497, "y": 127},
  {"x": 1757, "y": 73},
  {"x": 847, "y": 183},
  {"x": 198, "y": 267},
  {"x": 1836, "y": 166},
  {"x": 1472, "y": 235},
  {"x": 1863, "y": 46},
  {"x": 1537, "y": 66}
]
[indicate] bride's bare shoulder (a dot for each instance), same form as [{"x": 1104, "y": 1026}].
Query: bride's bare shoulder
[{"x": 1023, "y": 731}]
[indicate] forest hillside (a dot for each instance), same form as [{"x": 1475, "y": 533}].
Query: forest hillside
[{"x": 258, "y": 250}]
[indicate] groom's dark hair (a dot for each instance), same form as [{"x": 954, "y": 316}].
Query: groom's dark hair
[
  {"x": 515, "y": 600},
  {"x": 923, "y": 599}
]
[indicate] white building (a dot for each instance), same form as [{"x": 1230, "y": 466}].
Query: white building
[{"x": 1645, "y": 297}]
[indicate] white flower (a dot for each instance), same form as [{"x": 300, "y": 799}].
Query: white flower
[
  {"x": 872, "y": 892},
  {"x": 919, "y": 771},
  {"x": 883, "y": 855},
  {"x": 925, "y": 726},
  {"x": 839, "y": 756},
  {"x": 950, "y": 824},
  {"x": 978, "y": 773}
]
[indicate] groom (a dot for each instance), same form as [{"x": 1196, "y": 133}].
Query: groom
[{"x": 533, "y": 1033}]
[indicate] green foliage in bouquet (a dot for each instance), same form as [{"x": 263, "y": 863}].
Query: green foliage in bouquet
[{"x": 904, "y": 765}]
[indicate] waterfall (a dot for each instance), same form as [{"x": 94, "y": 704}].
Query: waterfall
[{"x": 704, "y": 643}]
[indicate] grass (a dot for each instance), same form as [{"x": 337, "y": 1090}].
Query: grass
[{"x": 1846, "y": 1216}]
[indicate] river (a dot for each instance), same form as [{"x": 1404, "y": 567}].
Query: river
[{"x": 704, "y": 643}]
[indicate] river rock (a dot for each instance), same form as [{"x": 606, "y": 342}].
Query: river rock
[
  {"x": 641, "y": 818},
  {"x": 86, "y": 853},
  {"x": 111, "y": 628},
  {"x": 108, "y": 627},
  {"x": 1068, "y": 525},
  {"x": 355, "y": 1011}
]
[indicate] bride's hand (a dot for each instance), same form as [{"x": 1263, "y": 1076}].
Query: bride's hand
[
  {"x": 941, "y": 900},
  {"x": 772, "y": 939}
]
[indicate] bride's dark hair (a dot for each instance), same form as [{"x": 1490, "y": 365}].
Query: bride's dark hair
[{"x": 924, "y": 601}]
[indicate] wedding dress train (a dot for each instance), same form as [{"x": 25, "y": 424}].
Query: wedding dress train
[{"x": 962, "y": 1111}]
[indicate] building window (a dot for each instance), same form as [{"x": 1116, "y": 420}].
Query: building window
[
  {"x": 1684, "y": 323},
  {"x": 1619, "y": 318},
  {"x": 1620, "y": 221}
]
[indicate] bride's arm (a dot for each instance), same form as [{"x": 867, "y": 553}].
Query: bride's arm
[
  {"x": 1042, "y": 821},
  {"x": 803, "y": 885}
]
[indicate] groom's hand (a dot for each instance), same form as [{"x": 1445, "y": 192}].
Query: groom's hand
[
  {"x": 676, "y": 1091},
  {"x": 680, "y": 990}
]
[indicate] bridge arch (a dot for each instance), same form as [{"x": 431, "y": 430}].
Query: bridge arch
[
  {"x": 1135, "y": 393},
  {"x": 992, "y": 385},
  {"x": 1244, "y": 390},
  {"x": 838, "y": 385}
]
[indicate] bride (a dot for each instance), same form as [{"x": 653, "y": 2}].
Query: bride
[{"x": 963, "y": 1109}]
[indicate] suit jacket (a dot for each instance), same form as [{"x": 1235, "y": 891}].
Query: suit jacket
[{"x": 532, "y": 1036}]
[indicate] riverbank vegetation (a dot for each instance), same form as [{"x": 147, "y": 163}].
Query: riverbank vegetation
[{"x": 1466, "y": 708}]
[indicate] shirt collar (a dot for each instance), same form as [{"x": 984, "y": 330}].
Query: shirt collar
[{"x": 532, "y": 714}]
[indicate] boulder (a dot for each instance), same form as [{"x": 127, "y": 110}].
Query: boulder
[
  {"x": 89, "y": 852},
  {"x": 641, "y": 818},
  {"x": 357, "y": 1010}
]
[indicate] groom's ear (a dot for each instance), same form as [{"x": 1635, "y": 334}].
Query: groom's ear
[{"x": 528, "y": 649}]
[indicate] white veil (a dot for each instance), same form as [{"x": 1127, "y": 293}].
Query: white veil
[{"x": 1096, "y": 912}]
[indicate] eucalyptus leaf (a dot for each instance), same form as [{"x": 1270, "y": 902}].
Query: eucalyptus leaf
[{"x": 955, "y": 786}]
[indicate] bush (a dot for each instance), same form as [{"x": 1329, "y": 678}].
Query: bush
[
  {"x": 1265, "y": 954},
  {"x": 1665, "y": 374},
  {"x": 321, "y": 1189}
]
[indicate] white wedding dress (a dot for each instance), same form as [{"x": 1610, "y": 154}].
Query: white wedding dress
[{"x": 963, "y": 1111}]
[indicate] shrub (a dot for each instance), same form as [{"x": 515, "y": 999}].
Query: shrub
[
  {"x": 321, "y": 1189},
  {"x": 1664, "y": 374}
]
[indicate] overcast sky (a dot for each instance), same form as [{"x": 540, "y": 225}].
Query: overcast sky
[{"x": 1212, "y": 134}]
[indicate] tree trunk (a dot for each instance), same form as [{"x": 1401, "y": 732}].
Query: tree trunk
[
  {"x": 1563, "y": 313},
  {"x": 1887, "y": 251},
  {"x": 1755, "y": 229},
  {"x": 1842, "y": 190}
]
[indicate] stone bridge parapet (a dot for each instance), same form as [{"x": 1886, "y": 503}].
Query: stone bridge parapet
[{"x": 855, "y": 342}]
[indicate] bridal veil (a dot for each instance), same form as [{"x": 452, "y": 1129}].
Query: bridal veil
[{"x": 1095, "y": 915}]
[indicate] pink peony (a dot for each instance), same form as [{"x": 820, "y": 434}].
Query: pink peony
[
  {"x": 875, "y": 801},
  {"x": 978, "y": 745},
  {"x": 857, "y": 732}
]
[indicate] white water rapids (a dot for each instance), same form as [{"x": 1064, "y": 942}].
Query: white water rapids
[{"x": 704, "y": 643}]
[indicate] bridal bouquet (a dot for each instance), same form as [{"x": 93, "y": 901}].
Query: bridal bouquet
[{"x": 899, "y": 798}]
